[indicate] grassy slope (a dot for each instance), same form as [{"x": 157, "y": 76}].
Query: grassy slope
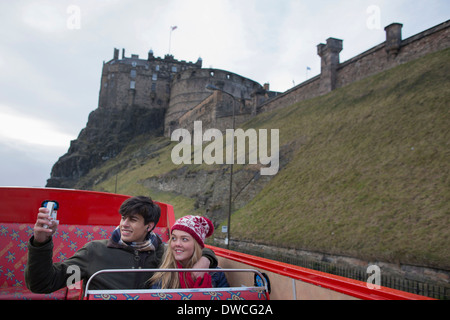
[
  {"x": 144, "y": 157},
  {"x": 369, "y": 176}
]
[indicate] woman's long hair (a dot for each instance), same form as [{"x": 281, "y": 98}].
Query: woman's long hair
[{"x": 170, "y": 280}]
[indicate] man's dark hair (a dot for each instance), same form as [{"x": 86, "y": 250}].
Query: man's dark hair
[{"x": 143, "y": 206}]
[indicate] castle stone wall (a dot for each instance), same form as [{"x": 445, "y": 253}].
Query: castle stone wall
[
  {"x": 132, "y": 81},
  {"x": 380, "y": 58},
  {"x": 188, "y": 94},
  {"x": 394, "y": 51}
]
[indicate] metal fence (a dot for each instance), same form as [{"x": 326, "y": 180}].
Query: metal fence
[{"x": 431, "y": 290}]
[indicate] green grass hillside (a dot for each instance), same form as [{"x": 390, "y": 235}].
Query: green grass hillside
[
  {"x": 367, "y": 173},
  {"x": 370, "y": 176}
]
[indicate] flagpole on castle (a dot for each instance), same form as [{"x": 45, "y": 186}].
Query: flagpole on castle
[{"x": 170, "y": 36}]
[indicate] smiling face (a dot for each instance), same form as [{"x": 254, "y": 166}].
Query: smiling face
[
  {"x": 133, "y": 228},
  {"x": 182, "y": 245}
]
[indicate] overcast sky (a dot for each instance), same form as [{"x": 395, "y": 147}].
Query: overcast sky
[{"x": 51, "y": 54}]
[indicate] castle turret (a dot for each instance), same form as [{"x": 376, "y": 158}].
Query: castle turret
[
  {"x": 393, "y": 38},
  {"x": 190, "y": 100},
  {"x": 330, "y": 61},
  {"x": 150, "y": 55}
]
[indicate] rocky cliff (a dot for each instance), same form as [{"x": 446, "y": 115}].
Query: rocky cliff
[{"x": 107, "y": 132}]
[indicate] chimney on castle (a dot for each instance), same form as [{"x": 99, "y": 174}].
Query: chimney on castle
[{"x": 393, "y": 38}]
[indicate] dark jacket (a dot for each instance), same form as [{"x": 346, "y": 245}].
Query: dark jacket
[
  {"x": 219, "y": 280},
  {"x": 44, "y": 276}
]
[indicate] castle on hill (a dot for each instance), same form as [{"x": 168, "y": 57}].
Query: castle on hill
[
  {"x": 159, "y": 95},
  {"x": 179, "y": 87}
]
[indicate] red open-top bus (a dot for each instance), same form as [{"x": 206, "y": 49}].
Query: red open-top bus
[{"x": 85, "y": 215}]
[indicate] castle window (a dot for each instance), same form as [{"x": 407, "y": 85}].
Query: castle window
[
  {"x": 155, "y": 77},
  {"x": 211, "y": 73},
  {"x": 157, "y": 67},
  {"x": 133, "y": 73},
  {"x": 132, "y": 84},
  {"x": 174, "y": 69}
]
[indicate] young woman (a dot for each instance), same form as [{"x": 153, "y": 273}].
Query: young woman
[{"x": 184, "y": 249}]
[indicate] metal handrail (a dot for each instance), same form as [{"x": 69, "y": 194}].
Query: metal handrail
[{"x": 87, "y": 291}]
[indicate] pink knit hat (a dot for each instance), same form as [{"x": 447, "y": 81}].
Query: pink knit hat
[{"x": 197, "y": 226}]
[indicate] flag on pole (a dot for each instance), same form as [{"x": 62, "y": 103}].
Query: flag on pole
[
  {"x": 307, "y": 69},
  {"x": 170, "y": 36}
]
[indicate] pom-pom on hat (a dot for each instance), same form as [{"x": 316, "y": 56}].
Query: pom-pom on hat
[{"x": 197, "y": 226}]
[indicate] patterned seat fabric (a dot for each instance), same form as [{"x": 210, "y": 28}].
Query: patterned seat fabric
[
  {"x": 203, "y": 295},
  {"x": 67, "y": 240}
]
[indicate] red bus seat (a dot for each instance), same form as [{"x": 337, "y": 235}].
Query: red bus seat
[{"x": 229, "y": 293}]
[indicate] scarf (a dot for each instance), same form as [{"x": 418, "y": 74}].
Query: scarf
[
  {"x": 151, "y": 242},
  {"x": 186, "y": 281}
]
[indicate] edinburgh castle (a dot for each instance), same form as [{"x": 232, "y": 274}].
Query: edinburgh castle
[{"x": 158, "y": 95}]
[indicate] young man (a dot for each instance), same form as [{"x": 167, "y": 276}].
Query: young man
[{"x": 132, "y": 245}]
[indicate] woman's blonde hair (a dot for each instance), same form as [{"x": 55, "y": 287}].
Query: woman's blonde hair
[{"x": 170, "y": 280}]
